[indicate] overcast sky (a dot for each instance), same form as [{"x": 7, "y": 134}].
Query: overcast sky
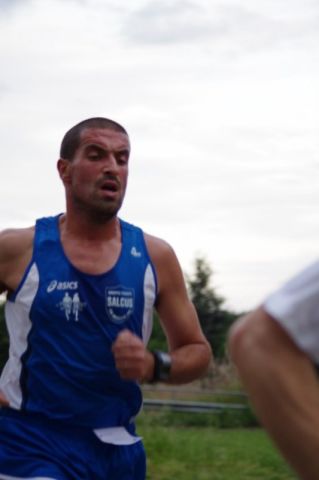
[{"x": 221, "y": 102}]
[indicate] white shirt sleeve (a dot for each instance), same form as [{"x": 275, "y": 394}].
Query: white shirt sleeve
[{"x": 295, "y": 306}]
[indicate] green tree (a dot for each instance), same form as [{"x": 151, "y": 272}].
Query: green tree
[
  {"x": 214, "y": 319},
  {"x": 158, "y": 339}
]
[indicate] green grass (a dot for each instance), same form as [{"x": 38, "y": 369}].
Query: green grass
[{"x": 208, "y": 453}]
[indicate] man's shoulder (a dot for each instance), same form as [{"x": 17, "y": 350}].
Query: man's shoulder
[
  {"x": 15, "y": 252},
  {"x": 165, "y": 261},
  {"x": 157, "y": 246},
  {"x": 15, "y": 241},
  {"x": 160, "y": 251}
]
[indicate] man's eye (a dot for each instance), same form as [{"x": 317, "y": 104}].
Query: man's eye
[
  {"x": 122, "y": 158},
  {"x": 94, "y": 156}
]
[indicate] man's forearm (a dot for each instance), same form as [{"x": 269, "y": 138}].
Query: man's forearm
[{"x": 189, "y": 362}]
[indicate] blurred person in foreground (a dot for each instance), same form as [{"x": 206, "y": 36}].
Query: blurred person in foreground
[
  {"x": 81, "y": 287},
  {"x": 276, "y": 351}
]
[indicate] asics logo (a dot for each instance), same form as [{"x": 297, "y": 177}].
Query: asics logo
[{"x": 56, "y": 285}]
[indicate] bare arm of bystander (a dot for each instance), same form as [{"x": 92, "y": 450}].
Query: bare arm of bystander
[{"x": 283, "y": 386}]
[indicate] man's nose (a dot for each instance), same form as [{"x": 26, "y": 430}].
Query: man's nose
[{"x": 110, "y": 164}]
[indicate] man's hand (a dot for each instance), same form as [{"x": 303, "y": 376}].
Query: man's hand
[
  {"x": 3, "y": 401},
  {"x": 132, "y": 359}
]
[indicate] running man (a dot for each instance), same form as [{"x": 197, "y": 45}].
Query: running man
[
  {"x": 72, "y": 381},
  {"x": 276, "y": 350}
]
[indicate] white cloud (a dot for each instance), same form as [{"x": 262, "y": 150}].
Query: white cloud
[
  {"x": 7, "y": 5},
  {"x": 235, "y": 27}
]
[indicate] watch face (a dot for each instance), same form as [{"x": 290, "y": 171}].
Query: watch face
[
  {"x": 165, "y": 358},
  {"x": 164, "y": 365}
]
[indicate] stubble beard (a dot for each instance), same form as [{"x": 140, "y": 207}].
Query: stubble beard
[{"x": 98, "y": 211}]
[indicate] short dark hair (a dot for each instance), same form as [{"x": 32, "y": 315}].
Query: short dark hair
[{"x": 72, "y": 138}]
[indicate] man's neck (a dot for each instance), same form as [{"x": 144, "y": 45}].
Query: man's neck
[
  {"x": 91, "y": 248},
  {"x": 87, "y": 229}
]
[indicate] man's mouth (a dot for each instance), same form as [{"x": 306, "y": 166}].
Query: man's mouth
[
  {"x": 110, "y": 185},
  {"x": 109, "y": 189}
]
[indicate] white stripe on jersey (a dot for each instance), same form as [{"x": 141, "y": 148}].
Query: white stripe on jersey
[
  {"x": 149, "y": 298},
  {"x": 18, "y": 322}
]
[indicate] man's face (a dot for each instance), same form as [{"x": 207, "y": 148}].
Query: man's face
[{"x": 97, "y": 174}]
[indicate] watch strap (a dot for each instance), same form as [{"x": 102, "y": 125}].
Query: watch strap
[{"x": 162, "y": 366}]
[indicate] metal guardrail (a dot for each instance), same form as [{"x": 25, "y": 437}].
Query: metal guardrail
[
  {"x": 193, "y": 407},
  {"x": 193, "y": 391},
  {"x": 170, "y": 399}
]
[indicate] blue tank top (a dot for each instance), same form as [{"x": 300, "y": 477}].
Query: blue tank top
[{"x": 62, "y": 323}]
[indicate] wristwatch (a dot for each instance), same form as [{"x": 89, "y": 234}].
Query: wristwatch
[{"x": 162, "y": 366}]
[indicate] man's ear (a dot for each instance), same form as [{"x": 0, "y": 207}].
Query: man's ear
[{"x": 63, "y": 167}]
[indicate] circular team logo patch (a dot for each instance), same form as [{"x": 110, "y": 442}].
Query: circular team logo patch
[{"x": 119, "y": 302}]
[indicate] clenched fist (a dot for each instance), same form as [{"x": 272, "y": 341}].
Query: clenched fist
[{"x": 132, "y": 359}]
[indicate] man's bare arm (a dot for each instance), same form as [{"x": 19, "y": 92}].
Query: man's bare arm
[
  {"x": 189, "y": 349},
  {"x": 187, "y": 344},
  {"x": 283, "y": 386},
  {"x": 15, "y": 253}
]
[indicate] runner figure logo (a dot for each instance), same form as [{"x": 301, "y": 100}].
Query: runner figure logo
[
  {"x": 71, "y": 306},
  {"x": 119, "y": 302}
]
